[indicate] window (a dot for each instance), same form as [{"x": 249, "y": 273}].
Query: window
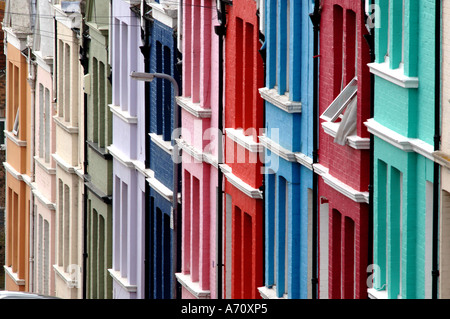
[
  {"x": 344, "y": 106},
  {"x": 323, "y": 258}
]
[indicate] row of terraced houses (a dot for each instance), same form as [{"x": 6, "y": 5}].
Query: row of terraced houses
[{"x": 227, "y": 149}]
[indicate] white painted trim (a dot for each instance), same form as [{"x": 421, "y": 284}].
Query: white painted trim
[
  {"x": 199, "y": 156},
  {"x": 9, "y": 135},
  {"x": 280, "y": 101},
  {"x": 237, "y": 135},
  {"x": 140, "y": 167},
  {"x": 63, "y": 164},
  {"x": 46, "y": 63},
  {"x": 16, "y": 39},
  {"x": 65, "y": 276},
  {"x": 396, "y": 76},
  {"x": 160, "y": 188},
  {"x": 70, "y": 20},
  {"x": 123, "y": 115},
  {"x": 377, "y": 294},
  {"x": 166, "y": 146},
  {"x": 353, "y": 194},
  {"x": 11, "y": 170},
  {"x": 193, "y": 108},
  {"x": 42, "y": 164},
  {"x": 165, "y": 13},
  {"x": 193, "y": 287},
  {"x": 119, "y": 156},
  {"x": 400, "y": 141},
  {"x": 285, "y": 153},
  {"x": 270, "y": 293},
  {"x": 122, "y": 281},
  {"x": 240, "y": 184},
  {"x": 354, "y": 141},
  {"x": 65, "y": 125},
  {"x": 14, "y": 276},
  {"x": 50, "y": 205}
]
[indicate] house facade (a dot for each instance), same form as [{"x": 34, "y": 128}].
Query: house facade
[
  {"x": 288, "y": 149},
  {"x": 19, "y": 145},
  {"x": 43, "y": 248},
  {"x": 128, "y": 153},
  {"x": 442, "y": 157},
  {"x": 242, "y": 168},
  {"x": 162, "y": 104},
  {"x": 343, "y": 154},
  {"x": 199, "y": 113},
  {"x": 403, "y": 129},
  {"x": 98, "y": 177},
  {"x": 68, "y": 155}
]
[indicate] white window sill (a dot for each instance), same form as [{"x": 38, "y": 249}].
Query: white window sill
[
  {"x": 123, "y": 115},
  {"x": 65, "y": 276},
  {"x": 280, "y": 101},
  {"x": 354, "y": 141},
  {"x": 239, "y": 183},
  {"x": 9, "y": 135},
  {"x": 66, "y": 126},
  {"x": 395, "y": 76},
  {"x": 193, "y": 108},
  {"x": 166, "y": 146},
  {"x": 377, "y": 294},
  {"x": 122, "y": 281},
  {"x": 238, "y": 136},
  {"x": 270, "y": 293},
  {"x": 193, "y": 287},
  {"x": 14, "y": 276}
]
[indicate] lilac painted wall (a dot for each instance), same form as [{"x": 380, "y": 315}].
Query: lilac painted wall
[{"x": 128, "y": 150}]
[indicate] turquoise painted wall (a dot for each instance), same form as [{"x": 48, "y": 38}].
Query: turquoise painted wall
[{"x": 400, "y": 178}]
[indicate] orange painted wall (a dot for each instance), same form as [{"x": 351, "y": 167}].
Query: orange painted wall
[{"x": 19, "y": 158}]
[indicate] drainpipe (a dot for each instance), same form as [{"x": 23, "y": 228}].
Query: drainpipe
[
  {"x": 85, "y": 64},
  {"x": 437, "y": 139},
  {"x": 145, "y": 50},
  {"x": 220, "y": 30},
  {"x": 32, "y": 82},
  {"x": 370, "y": 39},
  {"x": 315, "y": 19}
]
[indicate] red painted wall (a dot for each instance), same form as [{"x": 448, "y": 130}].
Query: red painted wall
[
  {"x": 348, "y": 220},
  {"x": 244, "y": 109}
]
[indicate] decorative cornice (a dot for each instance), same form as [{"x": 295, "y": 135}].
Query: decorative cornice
[
  {"x": 166, "y": 146},
  {"x": 270, "y": 293},
  {"x": 280, "y": 101},
  {"x": 442, "y": 158},
  {"x": 341, "y": 187},
  {"x": 400, "y": 141},
  {"x": 63, "y": 164}
]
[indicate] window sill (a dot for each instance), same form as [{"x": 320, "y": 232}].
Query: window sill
[
  {"x": 193, "y": 287},
  {"x": 354, "y": 141},
  {"x": 44, "y": 165},
  {"x": 270, "y": 293},
  {"x": 14, "y": 276},
  {"x": 238, "y": 136},
  {"x": 377, "y": 294},
  {"x": 395, "y": 76},
  {"x": 193, "y": 108},
  {"x": 442, "y": 158},
  {"x": 101, "y": 151},
  {"x": 123, "y": 115},
  {"x": 66, "y": 126},
  {"x": 280, "y": 101},
  {"x": 65, "y": 276},
  {"x": 122, "y": 281},
  {"x": 166, "y": 146},
  {"x": 9, "y": 135}
]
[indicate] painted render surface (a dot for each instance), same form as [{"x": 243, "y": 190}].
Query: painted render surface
[
  {"x": 199, "y": 103},
  {"x": 288, "y": 132},
  {"x": 128, "y": 151},
  {"x": 404, "y": 175},
  {"x": 243, "y": 175},
  {"x": 99, "y": 161}
]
